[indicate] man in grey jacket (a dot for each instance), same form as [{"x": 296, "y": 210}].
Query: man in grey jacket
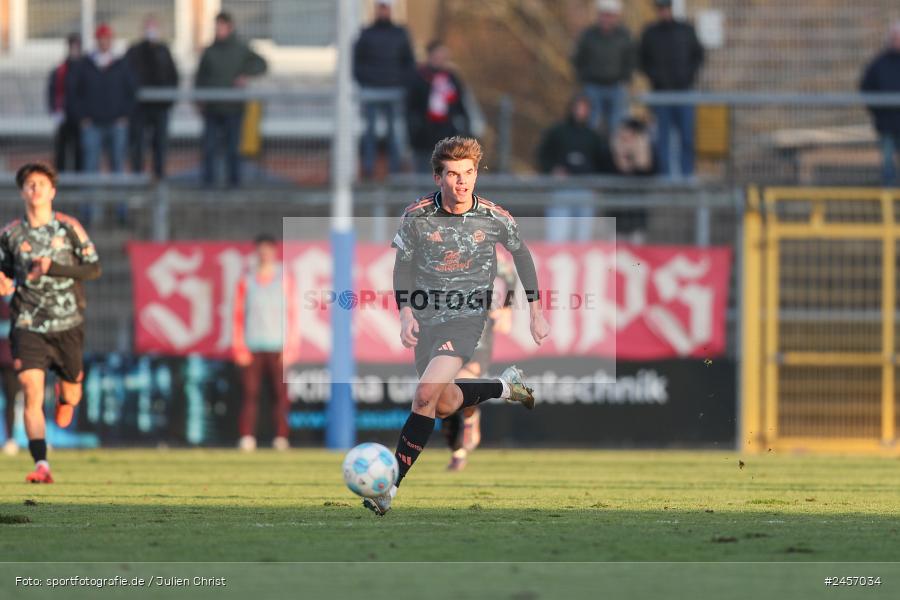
[
  {"x": 604, "y": 60},
  {"x": 227, "y": 63}
]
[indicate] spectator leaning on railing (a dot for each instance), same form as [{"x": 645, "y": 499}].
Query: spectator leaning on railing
[
  {"x": 883, "y": 75},
  {"x": 382, "y": 59},
  {"x": 227, "y": 63},
  {"x": 152, "y": 64},
  {"x": 102, "y": 90},
  {"x": 571, "y": 147},
  {"x": 604, "y": 60},
  {"x": 67, "y": 138},
  {"x": 671, "y": 57}
]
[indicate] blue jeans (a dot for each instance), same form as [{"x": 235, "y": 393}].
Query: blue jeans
[
  {"x": 682, "y": 119},
  {"x": 609, "y": 104},
  {"x": 369, "y": 140},
  {"x": 228, "y": 127},
  {"x": 111, "y": 138},
  {"x": 890, "y": 144},
  {"x": 569, "y": 222}
]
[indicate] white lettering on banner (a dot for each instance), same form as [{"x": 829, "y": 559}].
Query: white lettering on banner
[
  {"x": 634, "y": 275},
  {"x": 599, "y": 321},
  {"x": 312, "y": 273},
  {"x": 648, "y": 386},
  {"x": 167, "y": 276},
  {"x": 233, "y": 265},
  {"x": 698, "y": 299},
  {"x": 382, "y": 322},
  {"x": 563, "y": 273}
]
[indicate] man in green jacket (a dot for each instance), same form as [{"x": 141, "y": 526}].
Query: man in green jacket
[
  {"x": 604, "y": 60},
  {"x": 227, "y": 63}
]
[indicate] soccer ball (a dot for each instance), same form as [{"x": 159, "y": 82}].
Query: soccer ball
[{"x": 370, "y": 470}]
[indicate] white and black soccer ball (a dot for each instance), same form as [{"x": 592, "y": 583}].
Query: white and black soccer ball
[{"x": 370, "y": 470}]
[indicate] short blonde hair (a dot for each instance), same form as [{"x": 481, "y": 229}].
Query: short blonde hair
[{"x": 455, "y": 148}]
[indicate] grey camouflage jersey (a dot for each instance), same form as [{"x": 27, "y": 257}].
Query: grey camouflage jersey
[
  {"x": 47, "y": 304},
  {"x": 454, "y": 257}
]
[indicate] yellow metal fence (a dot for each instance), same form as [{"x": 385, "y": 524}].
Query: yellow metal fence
[{"x": 819, "y": 340}]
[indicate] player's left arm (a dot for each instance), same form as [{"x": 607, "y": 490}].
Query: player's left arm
[
  {"x": 88, "y": 266},
  {"x": 527, "y": 273},
  {"x": 540, "y": 329}
]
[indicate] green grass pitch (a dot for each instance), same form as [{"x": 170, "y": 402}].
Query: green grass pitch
[{"x": 509, "y": 505}]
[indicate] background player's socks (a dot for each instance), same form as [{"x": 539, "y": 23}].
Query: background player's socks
[
  {"x": 452, "y": 428},
  {"x": 38, "y": 449},
  {"x": 476, "y": 391},
  {"x": 413, "y": 437}
]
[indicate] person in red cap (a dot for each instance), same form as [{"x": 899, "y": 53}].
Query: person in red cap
[{"x": 103, "y": 91}]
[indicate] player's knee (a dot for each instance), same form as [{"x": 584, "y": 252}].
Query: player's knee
[
  {"x": 426, "y": 396},
  {"x": 444, "y": 411},
  {"x": 71, "y": 393}
]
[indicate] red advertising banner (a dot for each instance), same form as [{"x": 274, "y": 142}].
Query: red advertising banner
[{"x": 629, "y": 302}]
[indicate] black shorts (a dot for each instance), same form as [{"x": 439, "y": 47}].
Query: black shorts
[
  {"x": 484, "y": 349},
  {"x": 457, "y": 337},
  {"x": 59, "y": 351}
]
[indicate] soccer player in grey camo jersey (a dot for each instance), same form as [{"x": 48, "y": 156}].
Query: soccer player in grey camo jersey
[
  {"x": 44, "y": 258},
  {"x": 443, "y": 274}
]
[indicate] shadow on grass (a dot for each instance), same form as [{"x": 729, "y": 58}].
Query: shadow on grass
[{"x": 344, "y": 531}]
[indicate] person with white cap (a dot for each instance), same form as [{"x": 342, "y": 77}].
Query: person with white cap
[
  {"x": 604, "y": 60},
  {"x": 883, "y": 75},
  {"x": 382, "y": 59}
]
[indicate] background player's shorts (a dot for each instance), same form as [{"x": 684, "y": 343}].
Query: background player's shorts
[
  {"x": 60, "y": 351},
  {"x": 457, "y": 337},
  {"x": 484, "y": 349}
]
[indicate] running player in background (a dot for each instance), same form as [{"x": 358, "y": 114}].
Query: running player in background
[
  {"x": 445, "y": 266},
  {"x": 462, "y": 429},
  {"x": 45, "y": 257}
]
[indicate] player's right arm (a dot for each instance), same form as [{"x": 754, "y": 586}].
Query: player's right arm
[{"x": 405, "y": 242}]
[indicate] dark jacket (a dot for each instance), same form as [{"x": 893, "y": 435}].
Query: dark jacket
[
  {"x": 382, "y": 56},
  {"x": 426, "y": 129},
  {"x": 604, "y": 58},
  {"x": 101, "y": 95},
  {"x": 671, "y": 55},
  {"x": 221, "y": 64},
  {"x": 883, "y": 75},
  {"x": 56, "y": 89},
  {"x": 152, "y": 65},
  {"x": 571, "y": 145}
]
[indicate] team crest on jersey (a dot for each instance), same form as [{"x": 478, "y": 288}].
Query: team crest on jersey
[
  {"x": 478, "y": 236},
  {"x": 57, "y": 243}
]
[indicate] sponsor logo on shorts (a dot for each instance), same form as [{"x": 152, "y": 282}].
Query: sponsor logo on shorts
[{"x": 447, "y": 346}]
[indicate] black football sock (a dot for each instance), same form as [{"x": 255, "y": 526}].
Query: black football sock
[
  {"x": 38, "y": 449},
  {"x": 413, "y": 437},
  {"x": 476, "y": 391},
  {"x": 452, "y": 427}
]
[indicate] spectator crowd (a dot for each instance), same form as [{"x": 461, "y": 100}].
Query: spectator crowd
[
  {"x": 94, "y": 101},
  {"x": 407, "y": 107}
]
